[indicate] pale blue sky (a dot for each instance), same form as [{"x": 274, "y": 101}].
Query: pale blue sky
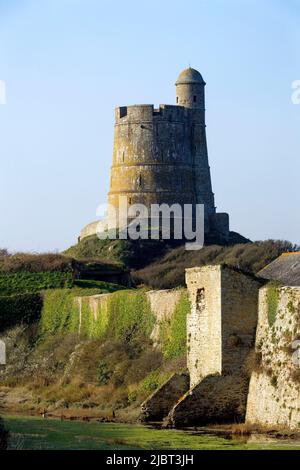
[{"x": 68, "y": 63}]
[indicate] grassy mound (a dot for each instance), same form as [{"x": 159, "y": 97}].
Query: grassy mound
[
  {"x": 131, "y": 253},
  {"x": 169, "y": 271}
]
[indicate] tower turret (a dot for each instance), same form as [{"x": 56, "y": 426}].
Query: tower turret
[{"x": 190, "y": 92}]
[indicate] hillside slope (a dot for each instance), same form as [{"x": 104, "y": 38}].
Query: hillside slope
[{"x": 169, "y": 271}]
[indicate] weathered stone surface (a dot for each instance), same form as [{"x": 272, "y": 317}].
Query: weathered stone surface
[
  {"x": 222, "y": 322},
  {"x": 163, "y": 304},
  {"x": 274, "y": 393},
  {"x": 221, "y": 332},
  {"x": 158, "y": 405},
  {"x": 216, "y": 399}
]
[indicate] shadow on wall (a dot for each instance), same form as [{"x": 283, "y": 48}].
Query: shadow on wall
[{"x": 217, "y": 399}]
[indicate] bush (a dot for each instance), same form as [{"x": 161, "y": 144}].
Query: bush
[
  {"x": 253, "y": 362},
  {"x": 169, "y": 271},
  {"x": 132, "y": 253},
  {"x": 15, "y": 309},
  {"x": 34, "y": 263},
  {"x": 32, "y": 282}
]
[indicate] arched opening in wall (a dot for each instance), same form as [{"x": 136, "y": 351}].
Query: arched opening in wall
[
  {"x": 123, "y": 156},
  {"x": 195, "y": 98},
  {"x": 177, "y": 99},
  {"x": 200, "y": 300}
]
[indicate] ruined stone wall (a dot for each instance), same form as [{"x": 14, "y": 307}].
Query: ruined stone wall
[
  {"x": 239, "y": 297},
  {"x": 162, "y": 304},
  {"x": 274, "y": 393},
  {"x": 221, "y": 325},
  {"x": 204, "y": 322},
  {"x": 221, "y": 332}
]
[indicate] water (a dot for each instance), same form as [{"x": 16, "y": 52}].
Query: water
[{"x": 37, "y": 433}]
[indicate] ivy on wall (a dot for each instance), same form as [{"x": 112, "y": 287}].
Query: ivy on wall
[{"x": 173, "y": 334}]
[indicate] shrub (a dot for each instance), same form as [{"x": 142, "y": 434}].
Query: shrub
[
  {"x": 169, "y": 271},
  {"x": 32, "y": 282},
  {"x": 151, "y": 382},
  {"x": 35, "y": 263},
  {"x": 104, "y": 373},
  {"x": 132, "y": 253},
  {"x": 15, "y": 309},
  {"x": 253, "y": 362}
]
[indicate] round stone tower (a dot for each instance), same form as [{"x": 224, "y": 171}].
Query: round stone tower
[
  {"x": 152, "y": 157},
  {"x": 160, "y": 155}
]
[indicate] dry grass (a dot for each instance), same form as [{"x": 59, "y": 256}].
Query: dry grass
[
  {"x": 253, "y": 362},
  {"x": 169, "y": 271},
  {"x": 34, "y": 263}
]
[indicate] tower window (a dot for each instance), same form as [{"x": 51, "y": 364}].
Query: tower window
[
  {"x": 123, "y": 156},
  {"x": 176, "y": 99},
  {"x": 140, "y": 181},
  {"x": 195, "y": 98}
]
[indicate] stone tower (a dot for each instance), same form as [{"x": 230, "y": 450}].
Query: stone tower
[
  {"x": 190, "y": 93},
  {"x": 160, "y": 155}
]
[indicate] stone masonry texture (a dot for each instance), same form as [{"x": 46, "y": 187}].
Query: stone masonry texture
[
  {"x": 221, "y": 333},
  {"x": 274, "y": 393}
]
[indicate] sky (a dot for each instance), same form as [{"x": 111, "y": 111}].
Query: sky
[{"x": 67, "y": 64}]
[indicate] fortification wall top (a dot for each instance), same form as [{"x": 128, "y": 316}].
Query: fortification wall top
[{"x": 147, "y": 112}]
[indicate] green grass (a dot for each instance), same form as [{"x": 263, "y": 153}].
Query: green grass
[
  {"x": 105, "y": 287},
  {"x": 37, "y": 433},
  {"x": 22, "y": 282},
  {"x": 130, "y": 253},
  {"x": 273, "y": 296}
]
